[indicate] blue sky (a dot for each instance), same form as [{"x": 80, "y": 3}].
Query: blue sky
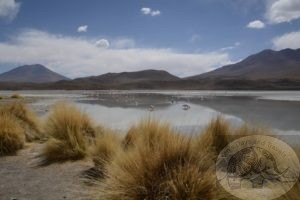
[{"x": 185, "y": 37}]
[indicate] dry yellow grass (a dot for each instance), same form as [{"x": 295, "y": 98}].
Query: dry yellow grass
[
  {"x": 148, "y": 131},
  {"x": 152, "y": 161},
  {"x": 158, "y": 164},
  {"x": 11, "y": 135},
  {"x": 27, "y": 119},
  {"x": 213, "y": 138},
  {"x": 107, "y": 145},
  {"x": 70, "y": 131},
  {"x": 105, "y": 148},
  {"x": 16, "y": 96}
]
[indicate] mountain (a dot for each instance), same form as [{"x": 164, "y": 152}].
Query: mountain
[
  {"x": 266, "y": 65},
  {"x": 31, "y": 73},
  {"x": 267, "y": 70},
  {"x": 129, "y": 77}
]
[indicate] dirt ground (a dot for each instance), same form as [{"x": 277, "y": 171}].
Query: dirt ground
[{"x": 20, "y": 179}]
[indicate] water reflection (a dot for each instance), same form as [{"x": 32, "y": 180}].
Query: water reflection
[
  {"x": 119, "y": 109},
  {"x": 283, "y": 115},
  {"x": 185, "y": 120}
]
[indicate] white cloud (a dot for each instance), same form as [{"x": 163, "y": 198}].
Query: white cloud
[
  {"x": 9, "y": 9},
  {"x": 155, "y": 13},
  {"x": 103, "y": 43},
  {"x": 257, "y": 24},
  {"x": 76, "y": 57},
  {"x": 279, "y": 11},
  {"x": 146, "y": 11},
  {"x": 83, "y": 28},
  {"x": 123, "y": 43},
  {"x": 149, "y": 11},
  {"x": 236, "y": 44},
  {"x": 288, "y": 40}
]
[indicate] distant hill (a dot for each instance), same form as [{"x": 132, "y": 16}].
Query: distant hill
[
  {"x": 267, "y": 70},
  {"x": 129, "y": 77},
  {"x": 266, "y": 65},
  {"x": 31, "y": 73}
]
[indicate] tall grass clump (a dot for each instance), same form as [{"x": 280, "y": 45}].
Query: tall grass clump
[
  {"x": 70, "y": 132},
  {"x": 27, "y": 119},
  {"x": 107, "y": 145},
  {"x": 11, "y": 135},
  {"x": 16, "y": 96},
  {"x": 157, "y": 163},
  {"x": 214, "y": 138}
]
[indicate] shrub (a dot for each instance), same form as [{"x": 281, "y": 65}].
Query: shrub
[
  {"x": 11, "y": 135},
  {"x": 70, "y": 131},
  {"x": 25, "y": 118},
  {"x": 158, "y": 164}
]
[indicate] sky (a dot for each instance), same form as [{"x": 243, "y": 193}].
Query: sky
[{"x": 185, "y": 37}]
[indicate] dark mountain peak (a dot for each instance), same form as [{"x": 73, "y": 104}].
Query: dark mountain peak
[
  {"x": 35, "y": 67},
  {"x": 36, "y": 73},
  {"x": 270, "y": 52},
  {"x": 266, "y": 52},
  {"x": 267, "y": 64}
]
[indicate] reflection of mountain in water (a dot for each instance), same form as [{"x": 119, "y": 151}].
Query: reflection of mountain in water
[
  {"x": 133, "y": 100},
  {"x": 282, "y": 115}
]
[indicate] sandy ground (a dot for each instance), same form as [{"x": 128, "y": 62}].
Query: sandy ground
[{"x": 20, "y": 179}]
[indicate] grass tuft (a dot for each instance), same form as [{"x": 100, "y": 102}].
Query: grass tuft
[
  {"x": 27, "y": 119},
  {"x": 215, "y": 137},
  {"x": 107, "y": 145},
  {"x": 16, "y": 96},
  {"x": 70, "y": 131},
  {"x": 157, "y": 163},
  {"x": 11, "y": 135}
]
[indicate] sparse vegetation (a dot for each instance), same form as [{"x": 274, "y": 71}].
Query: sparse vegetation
[
  {"x": 16, "y": 96},
  {"x": 27, "y": 119},
  {"x": 214, "y": 138},
  {"x": 70, "y": 131},
  {"x": 152, "y": 161},
  {"x": 157, "y": 163},
  {"x": 107, "y": 145},
  {"x": 11, "y": 135}
]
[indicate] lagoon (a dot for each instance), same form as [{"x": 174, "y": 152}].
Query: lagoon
[{"x": 278, "y": 110}]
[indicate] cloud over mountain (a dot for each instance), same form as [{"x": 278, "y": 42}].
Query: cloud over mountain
[
  {"x": 280, "y": 11},
  {"x": 73, "y": 56},
  {"x": 288, "y": 40}
]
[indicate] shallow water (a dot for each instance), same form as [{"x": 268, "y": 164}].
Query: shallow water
[{"x": 279, "y": 110}]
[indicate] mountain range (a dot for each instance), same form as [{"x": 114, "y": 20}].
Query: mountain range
[{"x": 268, "y": 69}]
